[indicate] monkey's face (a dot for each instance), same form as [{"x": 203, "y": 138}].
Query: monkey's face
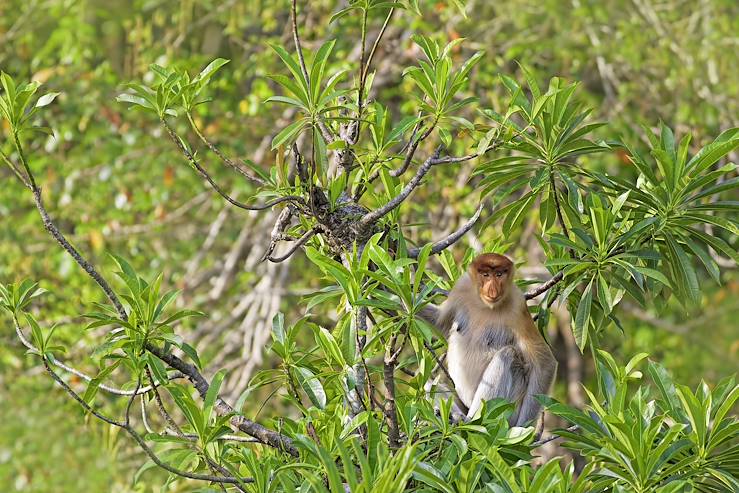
[{"x": 493, "y": 274}]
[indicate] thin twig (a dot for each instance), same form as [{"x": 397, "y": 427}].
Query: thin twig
[
  {"x": 548, "y": 439},
  {"x": 191, "y": 158},
  {"x": 15, "y": 170},
  {"x": 325, "y": 132},
  {"x": 239, "y": 168},
  {"x": 377, "y": 43}
]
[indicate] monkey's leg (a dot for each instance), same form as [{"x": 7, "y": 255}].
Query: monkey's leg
[
  {"x": 540, "y": 380},
  {"x": 439, "y": 391},
  {"x": 498, "y": 380}
]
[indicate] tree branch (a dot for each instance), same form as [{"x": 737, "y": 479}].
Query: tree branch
[
  {"x": 126, "y": 426},
  {"x": 256, "y": 430},
  {"x": 544, "y": 287},
  {"x": 191, "y": 158},
  {"x": 325, "y": 132},
  {"x": 299, "y": 243},
  {"x": 550, "y": 438},
  {"x": 445, "y": 243},
  {"x": 248, "y": 174},
  {"x": 373, "y": 216}
]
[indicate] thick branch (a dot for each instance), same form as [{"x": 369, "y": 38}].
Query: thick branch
[
  {"x": 391, "y": 415},
  {"x": 265, "y": 435}
]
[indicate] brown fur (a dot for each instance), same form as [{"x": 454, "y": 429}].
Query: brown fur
[{"x": 495, "y": 349}]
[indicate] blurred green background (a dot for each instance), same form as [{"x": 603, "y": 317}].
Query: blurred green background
[{"x": 115, "y": 184}]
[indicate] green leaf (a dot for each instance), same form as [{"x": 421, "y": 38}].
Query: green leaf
[
  {"x": 212, "y": 395},
  {"x": 582, "y": 317},
  {"x": 288, "y": 133},
  {"x": 428, "y": 474},
  {"x": 311, "y": 386},
  {"x": 46, "y": 99},
  {"x": 210, "y": 69}
]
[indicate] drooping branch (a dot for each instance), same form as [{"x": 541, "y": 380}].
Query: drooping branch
[
  {"x": 81, "y": 261},
  {"x": 451, "y": 239},
  {"x": 191, "y": 158},
  {"x": 88, "y": 378}
]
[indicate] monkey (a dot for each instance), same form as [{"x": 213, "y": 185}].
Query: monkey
[{"x": 494, "y": 347}]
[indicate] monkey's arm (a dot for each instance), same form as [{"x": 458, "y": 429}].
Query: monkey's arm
[
  {"x": 440, "y": 317},
  {"x": 541, "y": 376},
  {"x": 502, "y": 378},
  {"x": 429, "y": 313}
]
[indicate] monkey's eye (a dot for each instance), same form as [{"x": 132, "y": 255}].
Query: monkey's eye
[
  {"x": 499, "y": 273},
  {"x": 485, "y": 274}
]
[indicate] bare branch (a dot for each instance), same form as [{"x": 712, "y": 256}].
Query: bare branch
[
  {"x": 301, "y": 241},
  {"x": 391, "y": 415},
  {"x": 373, "y": 216},
  {"x": 278, "y": 230},
  {"x": 325, "y": 131},
  {"x": 450, "y": 159},
  {"x": 544, "y": 287},
  {"x": 452, "y": 238},
  {"x": 372, "y": 52},
  {"x": 412, "y": 151},
  {"x": 550, "y": 438},
  {"x": 243, "y": 170},
  {"x": 191, "y": 158},
  {"x": 82, "y": 262}
]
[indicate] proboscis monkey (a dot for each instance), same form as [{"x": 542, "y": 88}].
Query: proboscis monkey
[{"x": 495, "y": 349}]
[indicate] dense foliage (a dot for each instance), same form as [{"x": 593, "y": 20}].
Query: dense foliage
[{"x": 355, "y": 163}]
